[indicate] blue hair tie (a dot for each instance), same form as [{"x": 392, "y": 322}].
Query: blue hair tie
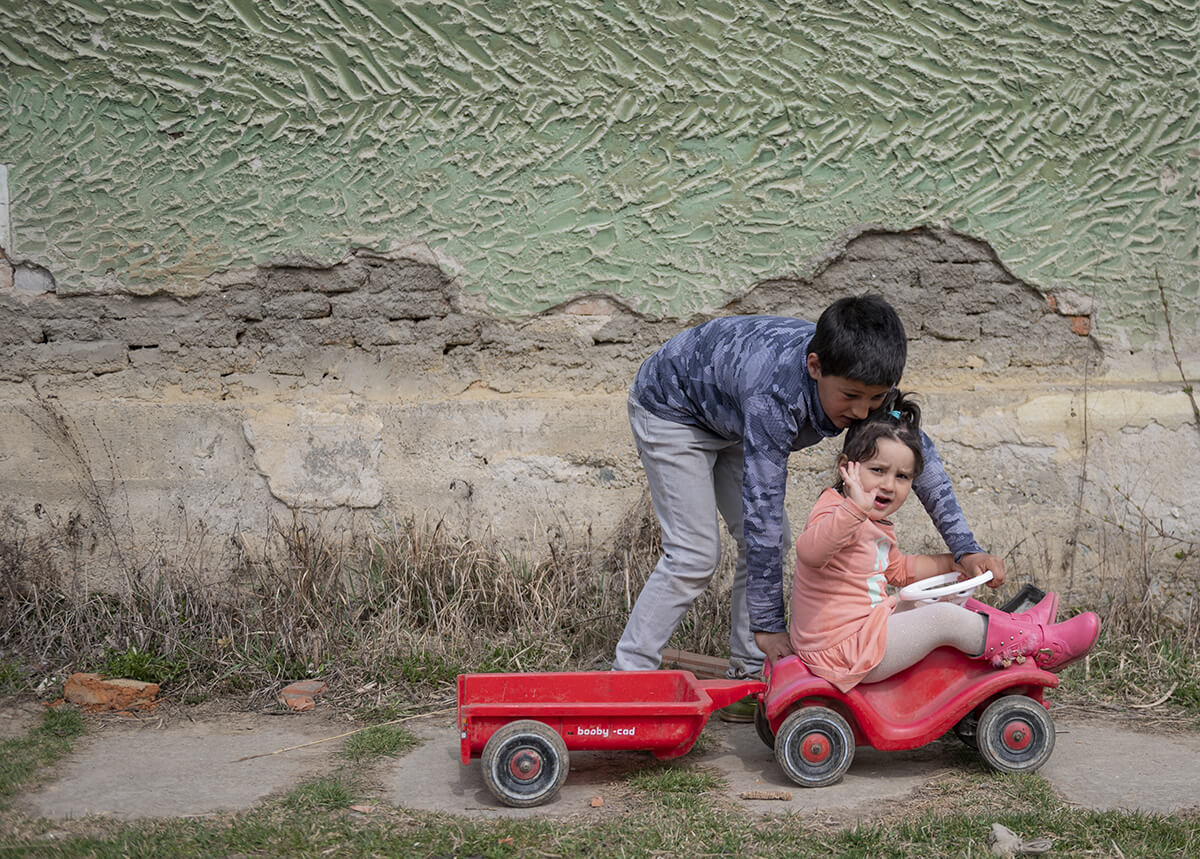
[{"x": 894, "y": 414}]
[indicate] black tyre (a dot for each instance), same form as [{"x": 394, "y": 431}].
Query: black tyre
[
  {"x": 762, "y": 727},
  {"x": 814, "y": 746},
  {"x": 967, "y": 730},
  {"x": 1016, "y": 735},
  {"x": 524, "y": 763}
]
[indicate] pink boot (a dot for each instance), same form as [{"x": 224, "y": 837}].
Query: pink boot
[
  {"x": 1053, "y": 646},
  {"x": 1044, "y": 612},
  {"x": 1067, "y": 642}
]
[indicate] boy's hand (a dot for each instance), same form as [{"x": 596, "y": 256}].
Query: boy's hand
[
  {"x": 853, "y": 489},
  {"x": 974, "y": 565},
  {"x": 775, "y": 645}
]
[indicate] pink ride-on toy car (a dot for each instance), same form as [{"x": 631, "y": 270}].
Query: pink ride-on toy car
[{"x": 814, "y": 727}]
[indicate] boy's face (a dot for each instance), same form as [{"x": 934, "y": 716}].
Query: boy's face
[{"x": 844, "y": 400}]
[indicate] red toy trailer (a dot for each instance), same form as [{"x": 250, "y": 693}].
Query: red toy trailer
[{"x": 521, "y": 726}]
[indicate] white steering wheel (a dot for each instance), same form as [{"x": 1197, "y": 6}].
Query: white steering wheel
[{"x": 945, "y": 587}]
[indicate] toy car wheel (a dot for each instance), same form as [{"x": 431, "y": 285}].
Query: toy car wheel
[
  {"x": 762, "y": 727},
  {"x": 524, "y": 763},
  {"x": 814, "y": 746},
  {"x": 967, "y": 730},
  {"x": 1016, "y": 735}
]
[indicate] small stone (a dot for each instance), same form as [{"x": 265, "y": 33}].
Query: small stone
[
  {"x": 1003, "y": 841},
  {"x": 597, "y": 802}
]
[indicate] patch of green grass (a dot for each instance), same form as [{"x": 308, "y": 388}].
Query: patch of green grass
[
  {"x": 673, "y": 779},
  {"x": 43, "y": 745},
  {"x": 675, "y": 786},
  {"x": 378, "y": 741},
  {"x": 12, "y": 679},
  {"x": 419, "y": 667},
  {"x": 314, "y": 821},
  {"x": 144, "y": 665},
  {"x": 331, "y": 793},
  {"x": 277, "y": 664}
]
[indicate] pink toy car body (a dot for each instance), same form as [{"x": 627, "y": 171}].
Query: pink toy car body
[{"x": 814, "y": 727}]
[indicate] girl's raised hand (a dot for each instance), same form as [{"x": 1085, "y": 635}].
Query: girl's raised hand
[{"x": 853, "y": 488}]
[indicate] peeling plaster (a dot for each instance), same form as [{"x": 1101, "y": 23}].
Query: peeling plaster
[
  {"x": 317, "y": 459},
  {"x": 665, "y": 155},
  {"x": 1107, "y": 410},
  {"x": 31, "y": 279}
]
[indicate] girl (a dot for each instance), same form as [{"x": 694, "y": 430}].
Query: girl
[{"x": 844, "y": 625}]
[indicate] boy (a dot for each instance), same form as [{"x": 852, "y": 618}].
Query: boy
[{"x": 715, "y": 413}]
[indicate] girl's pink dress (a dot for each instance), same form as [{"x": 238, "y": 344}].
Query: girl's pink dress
[{"x": 840, "y": 604}]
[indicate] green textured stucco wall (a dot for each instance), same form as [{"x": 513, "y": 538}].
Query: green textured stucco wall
[{"x": 671, "y": 154}]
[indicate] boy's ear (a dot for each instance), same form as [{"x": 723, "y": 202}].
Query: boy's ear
[{"x": 814, "y": 365}]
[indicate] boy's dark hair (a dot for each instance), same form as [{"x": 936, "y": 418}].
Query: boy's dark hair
[
  {"x": 861, "y": 337},
  {"x": 899, "y": 418}
]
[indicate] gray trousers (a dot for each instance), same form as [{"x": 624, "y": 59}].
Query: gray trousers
[{"x": 693, "y": 476}]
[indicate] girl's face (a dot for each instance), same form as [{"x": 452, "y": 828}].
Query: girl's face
[{"x": 887, "y": 476}]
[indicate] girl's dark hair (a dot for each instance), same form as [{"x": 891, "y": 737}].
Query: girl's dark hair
[{"x": 899, "y": 418}]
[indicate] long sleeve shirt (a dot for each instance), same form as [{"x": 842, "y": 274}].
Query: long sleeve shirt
[
  {"x": 840, "y": 603},
  {"x": 745, "y": 377}
]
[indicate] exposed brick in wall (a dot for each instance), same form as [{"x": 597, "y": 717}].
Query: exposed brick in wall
[{"x": 374, "y": 324}]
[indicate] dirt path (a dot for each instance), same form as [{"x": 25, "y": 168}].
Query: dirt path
[{"x": 190, "y": 764}]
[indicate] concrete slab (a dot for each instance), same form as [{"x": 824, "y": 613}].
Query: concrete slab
[
  {"x": 1105, "y": 766},
  {"x": 1096, "y": 764},
  {"x": 185, "y": 769},
  {"x": 432, "y": 778}
]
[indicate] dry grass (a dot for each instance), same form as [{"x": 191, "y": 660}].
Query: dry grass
[
  {"x": 399, "y": 608},
  {"x": 1146, "y": 588},
  {"x": 391, "y": 613}
]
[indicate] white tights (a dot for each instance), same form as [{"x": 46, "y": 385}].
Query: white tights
[{"x": 914, "y": 632}]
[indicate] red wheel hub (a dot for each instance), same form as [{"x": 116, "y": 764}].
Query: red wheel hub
[
  {"x": 815, "y": 748},
  {"x": 525, "y": 764},
  {"x": 1017, "y": 735}
]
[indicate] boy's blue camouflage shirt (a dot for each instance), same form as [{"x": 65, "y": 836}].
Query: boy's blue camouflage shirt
[{"x": 744, "y": 377}]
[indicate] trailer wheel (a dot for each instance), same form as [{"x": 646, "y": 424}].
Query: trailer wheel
[
  {"x": 762, "y": 727},
  {"x": 524, "y": 763},
  {"x": 814, "y": 746},
  {"x": 1016, "y": 734}
]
